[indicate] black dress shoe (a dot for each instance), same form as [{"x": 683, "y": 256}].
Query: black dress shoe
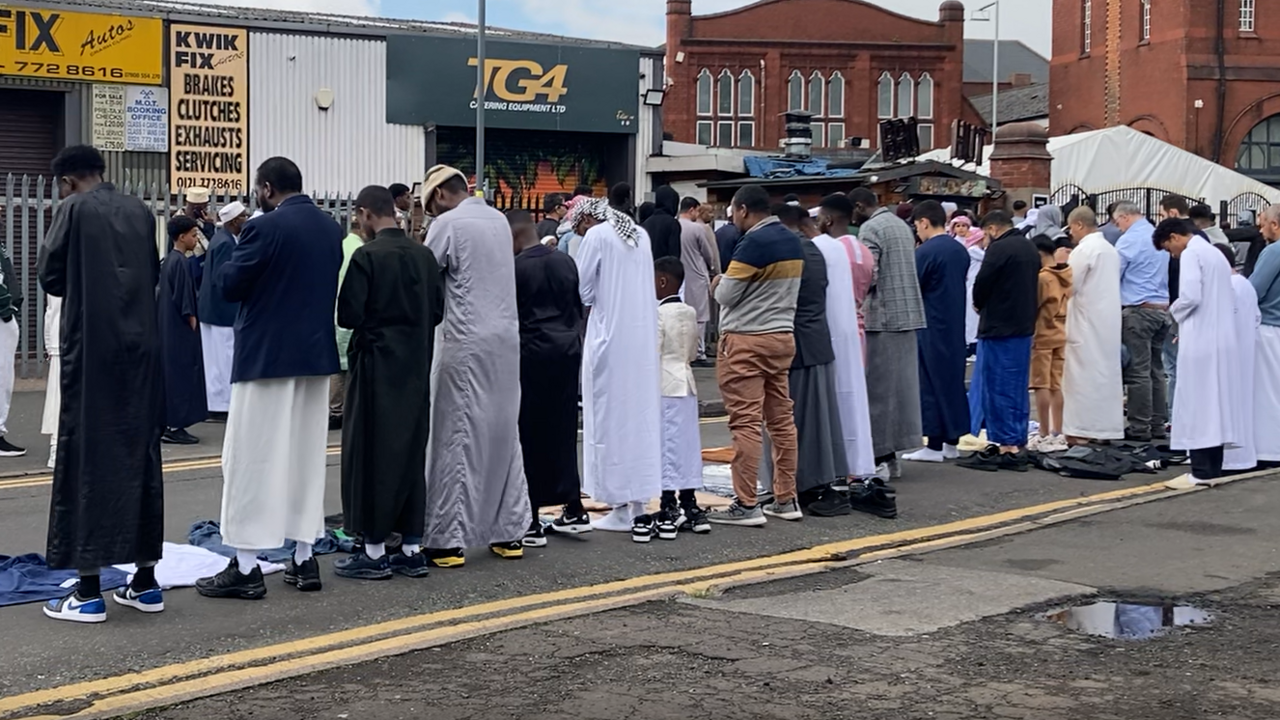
[
  {"x": 873, "y": 497},
  {"x": 231, "y": 583},
  {"x": 179, "y": 436},
  {"x": 304, "y": 576}
]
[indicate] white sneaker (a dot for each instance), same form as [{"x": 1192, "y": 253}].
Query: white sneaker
[
  {"x": 1187, "y": 482},
  {"x": 620, "y": 520},
  {"x": 1053, "y": 444},
  {"x": 951, "y": 452},
  {"x": 73, "y": 609},
  {"x": 1034, "y": 442},
  {"x": 925, "y": 455}
]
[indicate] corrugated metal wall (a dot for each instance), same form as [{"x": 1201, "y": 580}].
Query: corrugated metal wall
[{"x": 346, "y": 147}]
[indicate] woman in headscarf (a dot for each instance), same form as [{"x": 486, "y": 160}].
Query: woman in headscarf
[
  {"x": 1048, "y": 222},
  {"x": 621, "y": 386}
]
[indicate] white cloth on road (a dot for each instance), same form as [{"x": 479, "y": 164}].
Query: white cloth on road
[
  {"x": 1248, "y": 318},
  {"x": 851, "y": 379},
  {"x": 476, "y": 489},
  {"x": 219, "y": 347},
  {"x": 1204, "y": 413},
  {"x": 53, "y": 383},
  {"x": 681, "y": 444},
  {"x": 273, "y": 462},
  {"x": 182, "y": 565},
  {"x": 621, "y": 380},
  {"x": 1092, "y": 387},
  {"x": 8, "y": 347},
  {"x": 1266, "y": 394}
]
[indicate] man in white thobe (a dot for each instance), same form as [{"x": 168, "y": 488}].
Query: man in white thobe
[
  {"x": 476, "y": 490},
  {"x": 621, "y": 375},
  {"x": 1092, "y": 384},
  {"x": 1205, "y": 419},
  {"x": 1266, "y": 283},
  {"x": 217, "y": 315},
  {"x": 1248, "y": 319}
]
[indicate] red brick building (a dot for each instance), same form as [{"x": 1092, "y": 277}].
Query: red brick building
[
  {"x": 848, "y": 62},
  {"x": 1175, "y": 70}
]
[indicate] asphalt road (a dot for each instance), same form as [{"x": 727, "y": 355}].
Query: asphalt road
[
  {"x": 957, "y": 634},
  {"x": 43, "y": 654}
]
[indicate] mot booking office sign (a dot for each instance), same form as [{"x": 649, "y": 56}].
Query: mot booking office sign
[
  {"x": 527, "y": 86},
  {"x": 59, "y": 45}
]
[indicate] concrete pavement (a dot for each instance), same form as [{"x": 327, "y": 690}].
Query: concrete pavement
[{"x": 835, "y": 645}]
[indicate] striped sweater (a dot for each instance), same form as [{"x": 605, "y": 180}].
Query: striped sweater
[{"x": 758, "y": 292}]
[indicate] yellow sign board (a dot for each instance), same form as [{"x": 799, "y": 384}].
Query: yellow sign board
[
  {"x": 62, "y": 45},
  {"x": 209, "y": 107}
]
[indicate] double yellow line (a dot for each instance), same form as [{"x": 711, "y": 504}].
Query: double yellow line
[
  {"x": 175, "y": 466},
  {"x": 179, "y": 682}
]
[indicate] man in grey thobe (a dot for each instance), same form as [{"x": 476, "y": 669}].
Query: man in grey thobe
[
  {"x": 476, "y": 493},
  {"x": 894, "y": 311},
  {"x": 699, "y": 267}
]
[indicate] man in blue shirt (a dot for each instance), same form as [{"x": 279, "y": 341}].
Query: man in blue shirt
[
  {"x": 1266, "y": 281},
  {"x": 1144, "y": 297}
]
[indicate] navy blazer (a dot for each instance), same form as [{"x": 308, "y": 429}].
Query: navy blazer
[
  {"x": 213, "y": 308},
  {"x": 284, "y": 274}
]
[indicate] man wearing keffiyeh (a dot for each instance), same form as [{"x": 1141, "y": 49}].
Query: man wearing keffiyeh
[{"x": 621, "y": 387}]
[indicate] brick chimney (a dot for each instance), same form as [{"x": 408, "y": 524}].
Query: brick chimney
[
  {"x": 679, "y": 26},
  {"x": 1021, "y": 161}
]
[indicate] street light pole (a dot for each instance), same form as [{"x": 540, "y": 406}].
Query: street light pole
[
  {"x": 481, "y": 96},
  {"x": 981, "y": 15}
]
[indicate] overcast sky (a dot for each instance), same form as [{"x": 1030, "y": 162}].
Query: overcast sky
[{"x": 642, "y": 22}]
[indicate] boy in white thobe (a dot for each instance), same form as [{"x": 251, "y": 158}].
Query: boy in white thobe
[
  {"x": 1205, "y": 417},
  {"x": 1248, "y": 318}
]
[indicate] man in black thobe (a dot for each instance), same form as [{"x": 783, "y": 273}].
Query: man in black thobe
[
  {"x": 391, "y": 299},
  {"x": 184, "y": 391},
  {"x": 551, "y": 329},
  {"x": 107, "y": 502}
]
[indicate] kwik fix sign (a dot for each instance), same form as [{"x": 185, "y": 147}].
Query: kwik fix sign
[{"x": 81, "y": 46}]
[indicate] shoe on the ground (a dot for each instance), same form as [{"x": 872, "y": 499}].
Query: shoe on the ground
[
  {"x": 1017, "y": 462},
  {"x": 179, "y": 436},
  {"x": 535, "y": 536},
  {"x": 889, "y": 470},
  {"x": 950, "y": 452},
  {"x": 764, "y": 497},
  {"x": 705, "y": 362},
  {"x": 874, "y": 498},
  {"x": 231, "y": 583},
  {"x": 568, "y": 524},
  {"x": 359, "y": 566},
  {"x": 147, "y": 601},
  {"x": 335, "y": 422},
  {"x": 75, "y": 609},
  {"x": 1034, "y": 442},
  {"x": 987, "y": 460},
  {"x": 412, "y": 566},
  {"x": 217, "y": 418},
  {"x": 304, "y": 576},
  {"x": 618, "y": 520},
  {"x": 925, "y": 455},
  {"x": 667, "y": 524},
  {"x": 513, "y": 550},
  {"x": 8, "y": 449},
  {"x": 829, "y": 504},
  {"x": 841, "y": 485},
  {"x": 736, "y": 514},
  {"x": 1053, "y": 444},
  {"x": 789, "y": 510},
  {"x": 695, "y": 518},
  {"x": 643, "y": 528},
  {"x": 446, "y": 558}
]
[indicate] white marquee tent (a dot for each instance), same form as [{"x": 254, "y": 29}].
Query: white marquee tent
[{"x": 1122, "y": 158}]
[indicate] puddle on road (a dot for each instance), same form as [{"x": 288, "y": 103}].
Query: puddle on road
[{"x": 1128, "y": 621}]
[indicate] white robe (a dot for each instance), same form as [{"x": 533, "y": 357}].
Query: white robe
[
  {"x": 1204, "y": 413},
  {"x": 851, "y": 378},
  {"x": 476, "y": 490},
  {"x": 976, "y": 254},
  {"x": 218, "y": 344},
  {"x": 621, "y": 385},
  {"x": 1092, "y": 388},
  {"x": 1248, "y": 318},
  {"x": 1266, "y": 393}
]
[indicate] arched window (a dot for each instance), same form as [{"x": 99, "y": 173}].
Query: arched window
[
  {"x": 704, "y": 92},
  {"x": 835, "y": 96},
  {"x": 924, "y": 95},
  {"x": 746, "y": 94},
  {"x": 1086, "y": 31},
  {"x": 795, "y": 91},
  {"x": 724, "y": 93},
  {"x": 1259, "y": 154},
  {"x": 1146, "y": 20},
  {"x": 906, "y": 96},
  {"x": 817, "y": 89},
  {"x": 886, "y": 96}
]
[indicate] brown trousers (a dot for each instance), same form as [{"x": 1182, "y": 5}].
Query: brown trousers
[{"x": 753, "y": 375}]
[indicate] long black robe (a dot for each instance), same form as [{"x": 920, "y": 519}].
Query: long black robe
[
  {"x": 107, "y": 503},
  {"x": 391, "y": 299},
  {"x": 184, "y": 390},
  {"x": 551, "y": 323},
  {"x": 942, "y": 266}
]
